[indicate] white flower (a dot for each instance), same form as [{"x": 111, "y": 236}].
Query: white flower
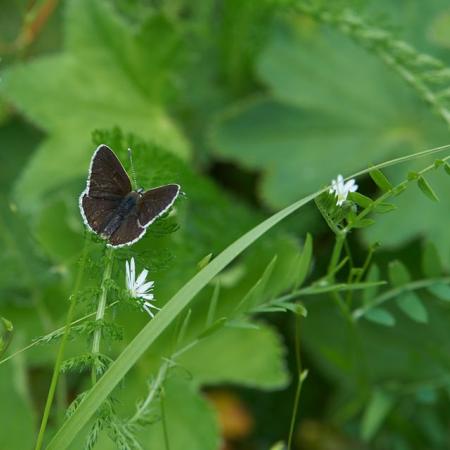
[
  {"x": 341, "y": 189},
  {"x": 139, "y": 288}
]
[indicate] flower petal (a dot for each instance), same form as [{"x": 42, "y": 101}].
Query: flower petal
[
  {"x": 141, "y": 278},
  {"x": 143, "y": 288},
  {"x": 133, "y": 272}
]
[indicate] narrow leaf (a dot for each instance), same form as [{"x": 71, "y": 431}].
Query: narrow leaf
[
  {"x": 447, "y": 168},
  {"x": 383, "y": 208},
  {"x": 431, "y": 262},
  {"x": 372, "y": 277},
  {"x": 412, "y": 306},
  {"x": 305, "y": 261},
  {"x": 213, "y": 328},
  {"x": 398, "y": 274},
  {"x": 380, "y": 316},
  {"x": 441, "y": 290},
  {"x": 375, "y": 413},
  {"x": 380, "y": 180},
  {"x": 363, "y": 223},
  {"x": 6, "y": 336},
  {"x": 360, "y": 199},
  {"x": 204, "y": 261},
  {"x": 256, "y": 292},
  {"x": 427, "y": 189}
]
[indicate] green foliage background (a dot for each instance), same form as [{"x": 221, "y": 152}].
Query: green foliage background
[{"x": 249, "y": 105}]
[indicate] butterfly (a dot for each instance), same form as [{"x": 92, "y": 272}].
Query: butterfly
[{"x": 112, "y": 209}]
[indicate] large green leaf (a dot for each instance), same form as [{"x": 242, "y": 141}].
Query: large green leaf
[
  {"x": 252, "y": 357},
  {"x": 16, "y": 414},
  {"x": 323, "y": 116},
  {"x": 190, "y": 421},
  {"x": 109, "y": 74}
]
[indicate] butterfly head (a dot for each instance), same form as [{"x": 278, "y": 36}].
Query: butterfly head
[{"x": 140, "y": 191}]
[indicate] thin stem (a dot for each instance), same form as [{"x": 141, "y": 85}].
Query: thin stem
[
  {"x": 101, "y": 308},
  {"x": 164, "y": 423},
  {"x": 152, "y": 393},
  {"x": 301, "y": 378},
  {"x": 414, "y": 285},
  {"x": 62, "y": 346}
]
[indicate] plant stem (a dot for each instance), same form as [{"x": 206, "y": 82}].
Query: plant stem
[
  {"x": 153, "y": 391},
  {"x": 62, "y": 346},
  {"x": 101, "y": 307},
  {"x": 301, "y": 378},
  {"x": 412, "y": 286},
  {"x": 164, "y": 423}
]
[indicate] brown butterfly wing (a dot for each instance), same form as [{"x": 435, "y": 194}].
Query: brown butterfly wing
[
  {"x": 155, "y": 202},
  {"x": 128, "y": 232},
  {"x": 107, "y": 185},
  {"x": 96, "y": 211},
  {"x": 107, "y": 177}
]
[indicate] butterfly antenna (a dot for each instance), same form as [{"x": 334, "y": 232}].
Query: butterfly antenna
[{"x": 133, "y": 172}]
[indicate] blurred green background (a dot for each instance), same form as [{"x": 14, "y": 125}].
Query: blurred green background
[{"x": 249, "y": 105}]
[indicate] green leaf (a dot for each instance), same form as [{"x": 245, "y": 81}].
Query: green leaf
[
  {"x": 16, "y": 414},
  {"x": 109, "y": 77},
  {"x": 379, "y": 406},
  {"x": 278, "y": 446},
  {"x": 262, "y": 369},
  {"x": 447, "y": 168},
  {"x": 6, "y": 336},
  {"x": 380, "y": 180},
  {"x": 380, "y": 316},
  {"x": 427, "y": 189},
  {"x": 398, "y": 274},
  {"x": 372, "y": 276},
  {"x": 257, "y": 292},
  {"x": 360, "y": 199},
  {"x": 362, "y": 223},
  {"x": 304, "y": 262},
  {"x": 441, "y": 291},
  {"x": 191, "y": 423},
  {"x": 412, "y": 306},
  {"x": 283, "y": 135},
  {"x": 431, "y": 263},
  {"x": 416, "y": 216}
]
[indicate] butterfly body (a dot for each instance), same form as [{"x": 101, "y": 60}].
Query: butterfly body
[{"x": 114, "y": 211}]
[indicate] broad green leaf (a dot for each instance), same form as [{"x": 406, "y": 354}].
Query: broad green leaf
[
  {"x": 231, "y": 357},
  {"x": 398, "y": 274},
  {"x": 412, "y": 306},
  {"x": 380, "y": 180},
  {"x": 379, "y": 406},
  {"x": 426, "y": 188},
  {"x": 17, "y": 428},
  {"x": 109, "y": 74},
  {"x": 441, "y": 291},
  {"x": 431, "y": 264},
  {"x": 380, "y": 316},
  {"x": 191, "y": 422},
  {"x": 283, "y": 135}
]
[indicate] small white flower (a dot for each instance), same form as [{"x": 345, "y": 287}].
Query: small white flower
[
  {"x": 139, "y": 288},
  {"x": 341, "y": 189}
]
